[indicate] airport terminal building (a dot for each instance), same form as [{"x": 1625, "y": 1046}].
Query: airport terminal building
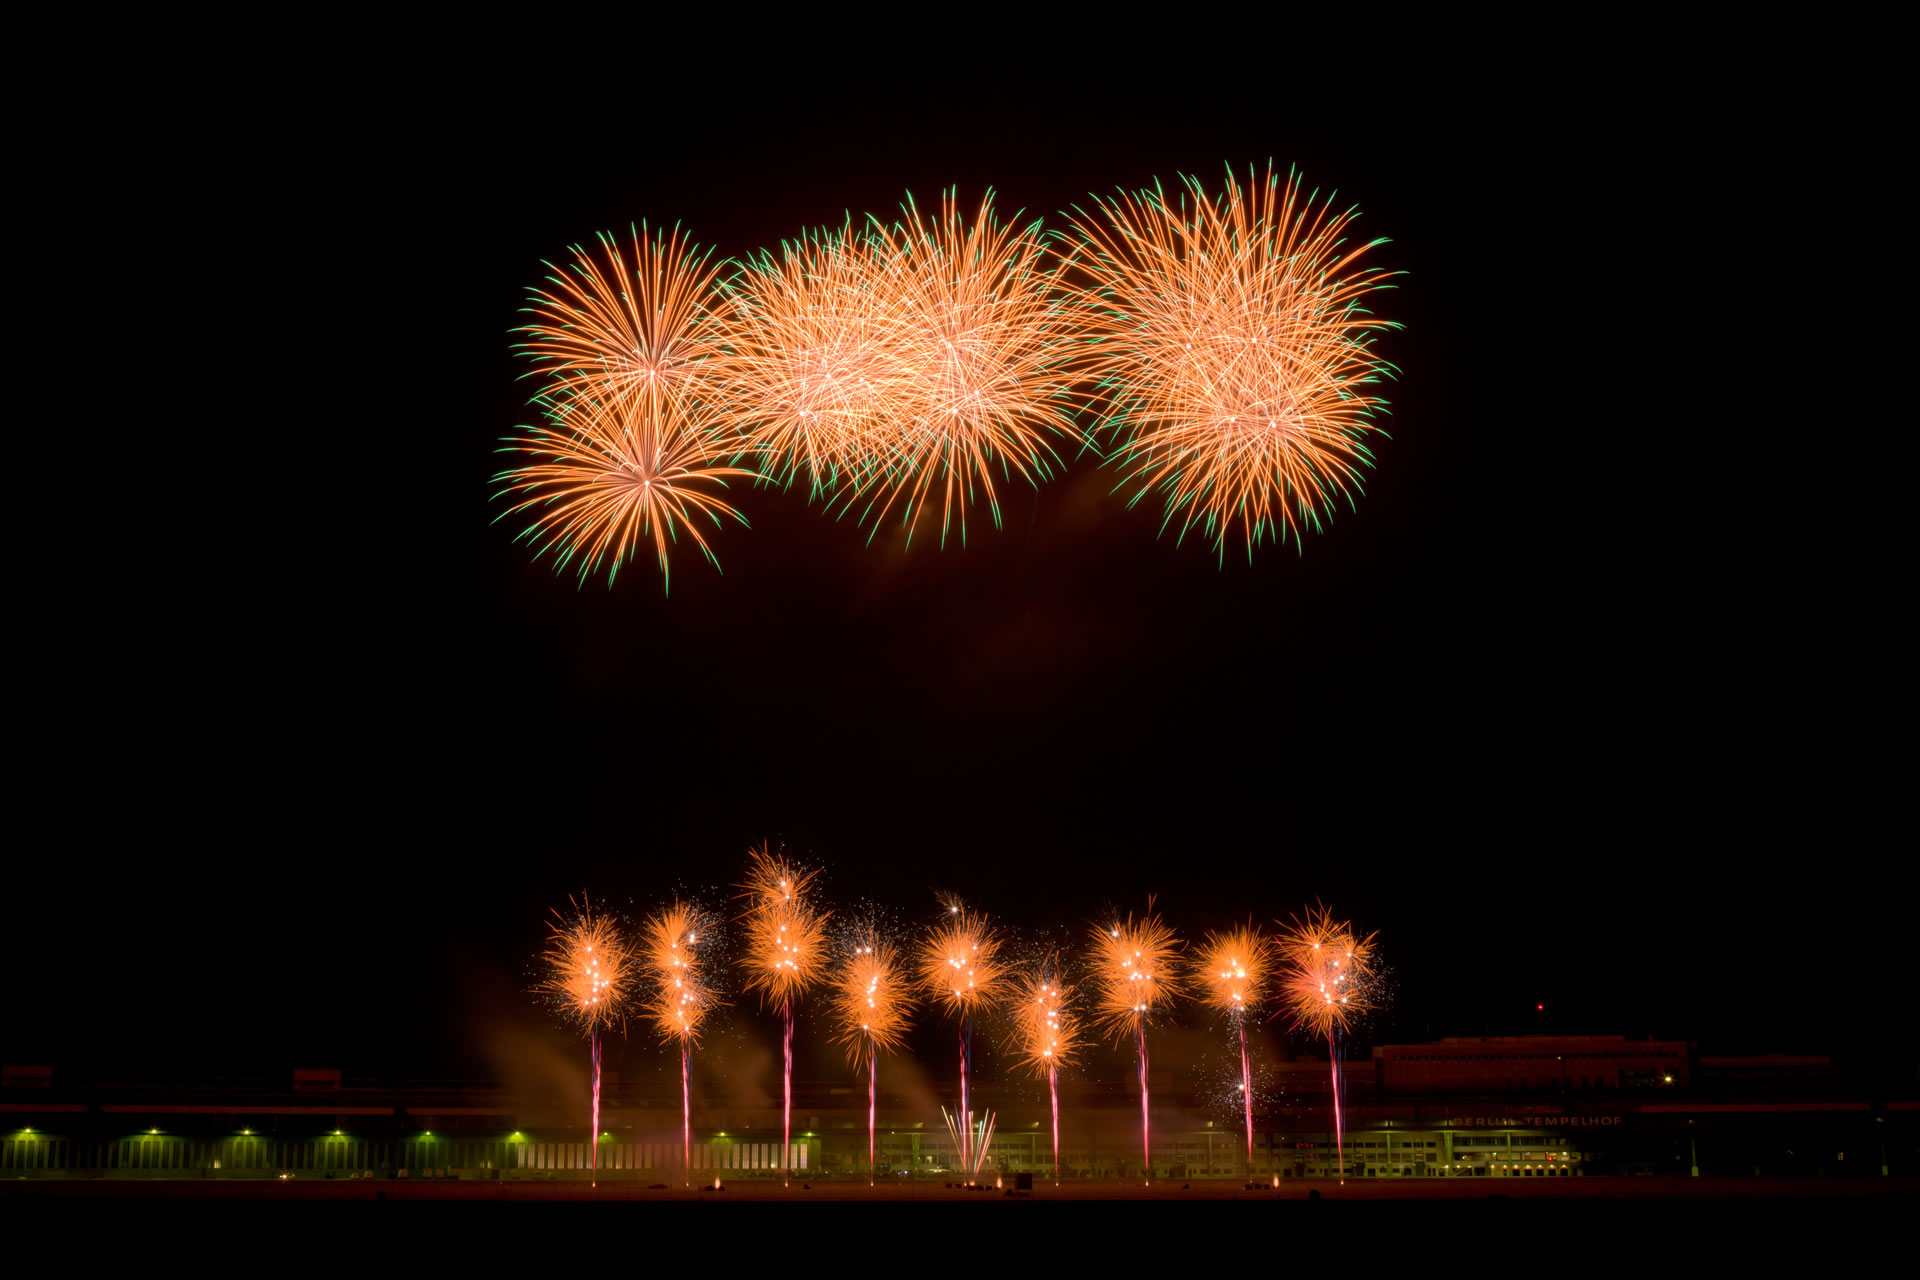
[{"x": 1505, "y": 1107}]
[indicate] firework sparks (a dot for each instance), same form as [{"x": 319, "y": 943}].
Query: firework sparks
[
  {"x": 873, "y": 1005},
  {"x": 1136, "y": 967},
  {"x": 816, "y": 360},
  {"x": 1324, "y": 969},
  {"x": 1231, "y": 972},
  {"x": 681, "y": 997},
  {"x": 786, "y": 953},
  {"x": 960, "y": 970},
  {"x": 636, "y": 435},
  {"x": 978, "y": 375},
  {"x": 655, "y": 321},
  {"x": 1236, "y": 353},
  {"x": 1046, "y": 1036},
  {"x": 589, "y": 978}
]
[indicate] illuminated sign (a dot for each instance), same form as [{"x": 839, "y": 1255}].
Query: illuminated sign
[{"x": 1536, "y": 1122}]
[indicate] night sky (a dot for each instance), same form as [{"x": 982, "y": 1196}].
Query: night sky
[{"x": 1469, "y": 716}]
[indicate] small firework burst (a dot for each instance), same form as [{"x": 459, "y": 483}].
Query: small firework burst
[
  {"x": 681, "y": 994},
  {"x": 1325, "y": 972},
  {"x": 959, "y": 964},
  {"x": 589, "y": 968},
  {"x": 1230, "y": 970},
  {"x": 1136, "y": 966},
  {"x": 872, "y": 1000},
  {"x": 1046, "y": 1032}
]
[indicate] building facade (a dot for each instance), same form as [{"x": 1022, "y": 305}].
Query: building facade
[{"x": 1576, "y": 1107}]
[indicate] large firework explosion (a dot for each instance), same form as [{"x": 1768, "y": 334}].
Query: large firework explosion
[
  {"x": 637, "y": 439},
  {"x": 891, "y": 365},
  {"x": 1231, "y": 973},
  {"x": 786, "y": 953},
  {"x": 960, "y": 970},
  {"x": 1324, "y": 968},
  {"x": 1136, "y": 966},
  {"x": 873, "y": 1007},
  {"x": 985, "y": 340},
  {"x": 589, "y": 979},
  {"x": 816, "y": 363},
  {"x": 1236, "y": 354}
]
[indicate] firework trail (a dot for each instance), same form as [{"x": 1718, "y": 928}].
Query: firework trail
[
  {"x": 681, "y": 998},
  {"x": 1134, "y": 964},
  {"x": 1046, "y": 1036},
  {"x": 786, "y": 954},
  {"x": 873, "y": 1005},
  {"x": 637, "y": 430},
  {"x": 1324, "y": 969},
  {"x": 1230, "y": 972},
  {"x": 959, "y": 970},
  {"x": 1235, "y": 352},
  {"x": 589, "y": 973},
  {"x": 975, "y": 1140}
]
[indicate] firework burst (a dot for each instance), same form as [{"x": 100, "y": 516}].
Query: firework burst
[
  {"x": 589, "y": 979},
  {"x": 786, "y": 952},
  {"x": 1236, "y": 355},
  {"x": 1136, "y": 966},
  {"x": 637, "y": 442},
  {"x": 980, "y": 344},
  {"x": 1231, "y": 973},
  {"x": 681, "y": 997},
  {"x": 1324, "y": 972},
  {"x": 650, "y": 319},
  {"x": 816, "y": 360},
  {"x": 873, "y": 1006},
  {"x": 960, "y": 970},
  {"x": 1046, "y": 1035}
]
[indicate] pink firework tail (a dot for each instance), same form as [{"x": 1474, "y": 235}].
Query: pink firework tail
[
  {"x": 1333, "y": 1066},
  {"x": 686, "y": 1111},
  {"x": 593, "y": 1138},
  {"x": 966, "y": 1111},
  {"x": 1146, "y": 1128},
  {"x": 1246, "y": 1090},
  {"x": 873, "y": 1088},
  {"x": 786, "y": 1085},
  {"x": 1053, "y": 1087}
]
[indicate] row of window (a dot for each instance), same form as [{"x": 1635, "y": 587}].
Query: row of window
[
  {"x": 1520, "y": 1057},
  {"x": 654, "y": 1155}
]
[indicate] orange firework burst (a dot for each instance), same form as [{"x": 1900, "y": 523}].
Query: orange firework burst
[
  {"x": 1325, "y": 967},
  {"x": 786, "y": 938},
  {"x": 872, "y": 1001},
  {"x": 816, "y": 360},
  {"x": 637, "y": 439},
  {"x": 1046, "y": 1035},
  {"x": 1236, "y": 354},
  {"x": 1136, "y": 965},
  {"x": 589, "y": 968},
  {"x": 980, "y": 341},
  {"x": 681, "y": 996},
  {"x": 655, "y": 322},
  {"x": 1231, "y": 970},
  {"x": 958, "y": 964},
  {"x": 786, "y": 953}
]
